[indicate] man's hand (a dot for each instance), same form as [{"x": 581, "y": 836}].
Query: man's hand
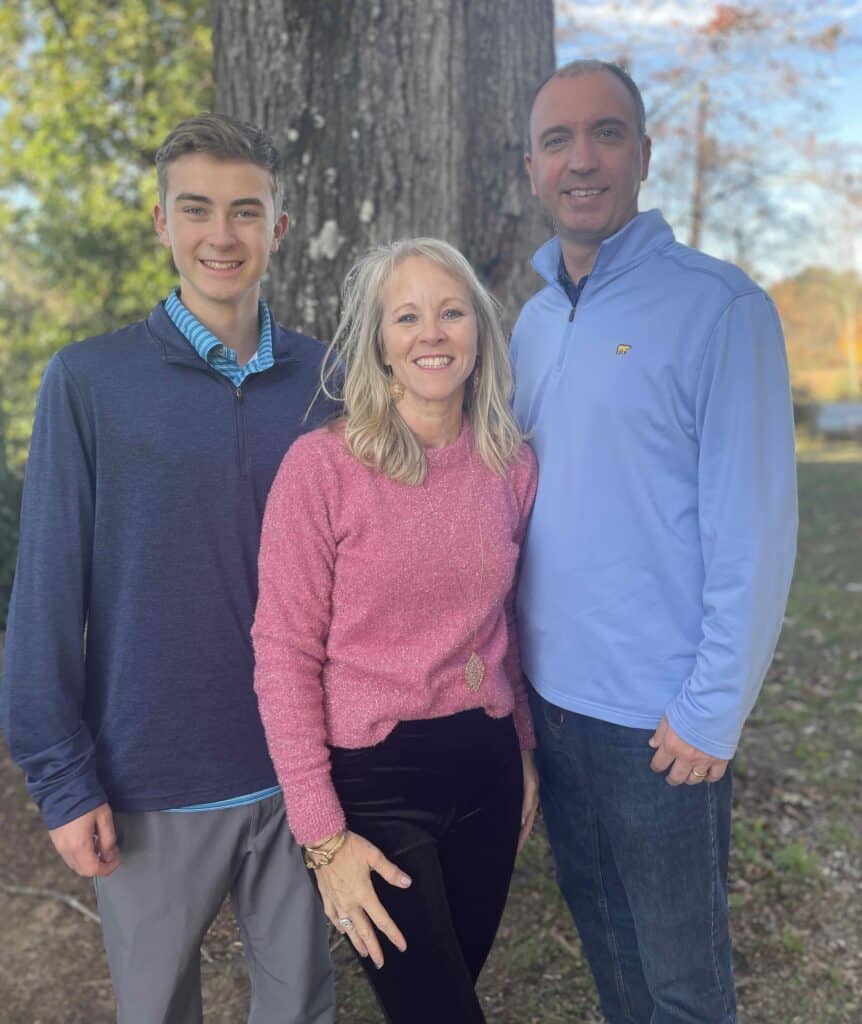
[
  {"x": 690, "y": 765},
  {"x": 89, "y": 843},
  {"x": 530, "y": 805}
]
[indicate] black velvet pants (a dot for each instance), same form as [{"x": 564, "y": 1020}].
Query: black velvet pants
[{"x": 442, "y": 799}]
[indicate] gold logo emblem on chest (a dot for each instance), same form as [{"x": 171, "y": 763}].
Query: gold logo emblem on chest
[{"x": 623, "y": 350}]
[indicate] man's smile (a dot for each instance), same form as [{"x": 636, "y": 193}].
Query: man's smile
[{"x": 583, "y": 193}]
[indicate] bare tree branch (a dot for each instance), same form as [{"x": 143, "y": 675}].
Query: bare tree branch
[
  {"x": 61, "y": 17},
  {"x": 50, "y": 894}
]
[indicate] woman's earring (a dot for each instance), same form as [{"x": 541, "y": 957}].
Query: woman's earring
[{"x": 396, "y": 390}]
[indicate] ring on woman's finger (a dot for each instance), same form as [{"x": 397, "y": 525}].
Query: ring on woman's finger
[
  {"x": 700, "y": 775},
  {"x": 345, "y": 923}
]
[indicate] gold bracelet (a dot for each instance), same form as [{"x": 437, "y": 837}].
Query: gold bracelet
[{"x": 319, "y": 856}]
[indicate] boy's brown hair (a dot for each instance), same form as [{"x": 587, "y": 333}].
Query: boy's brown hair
[{"x": 223, "y": 138}]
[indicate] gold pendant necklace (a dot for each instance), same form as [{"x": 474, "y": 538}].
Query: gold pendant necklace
[{"x": 474, "y": 670}]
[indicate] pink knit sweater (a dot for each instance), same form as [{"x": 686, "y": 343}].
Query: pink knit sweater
[{"x": 369, "y": 595}]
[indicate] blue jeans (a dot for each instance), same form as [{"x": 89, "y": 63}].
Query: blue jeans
[{"x": 643, "y": 868}]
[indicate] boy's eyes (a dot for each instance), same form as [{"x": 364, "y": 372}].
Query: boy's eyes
[{"x": 247, "y": 213}]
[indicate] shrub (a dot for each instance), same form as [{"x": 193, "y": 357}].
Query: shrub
[{"x": 10, "y": 506}]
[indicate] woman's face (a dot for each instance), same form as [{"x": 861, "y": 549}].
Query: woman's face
[{"x": 430, "y": 336}]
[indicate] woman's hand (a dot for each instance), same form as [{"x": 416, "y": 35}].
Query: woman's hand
[
  {"x": 530, "y": 806},
  {"x": 349, "y": 899}
]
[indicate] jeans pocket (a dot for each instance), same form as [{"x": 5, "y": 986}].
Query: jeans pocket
[{"x": 552, "y": 718}]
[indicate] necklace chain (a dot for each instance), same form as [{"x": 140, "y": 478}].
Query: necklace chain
[{"x": 474, "y": 670}]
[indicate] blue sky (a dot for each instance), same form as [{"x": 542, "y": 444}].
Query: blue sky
[{"x": 847, "y": 106}]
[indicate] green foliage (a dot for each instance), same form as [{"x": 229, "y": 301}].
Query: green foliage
[
  {"x": 10, "y": 500},
  {"x": 89, "y": 91}
]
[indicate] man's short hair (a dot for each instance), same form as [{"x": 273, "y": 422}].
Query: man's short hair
[
  {"x": 582, "y": 67},
  {"x": 223, "y": 138}
]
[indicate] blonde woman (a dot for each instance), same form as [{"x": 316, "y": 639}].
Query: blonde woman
[{"x": 387, "y": 671}]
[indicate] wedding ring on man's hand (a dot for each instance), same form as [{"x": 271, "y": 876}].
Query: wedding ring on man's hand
[
  {"x": 699, "y": 775},
  {"x": 345, "y": 923}
]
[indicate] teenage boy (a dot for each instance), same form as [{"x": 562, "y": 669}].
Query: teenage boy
[{"x": 128, "y": 695}]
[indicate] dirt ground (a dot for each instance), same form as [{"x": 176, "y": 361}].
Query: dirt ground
[{"x": 797, "y": 877}]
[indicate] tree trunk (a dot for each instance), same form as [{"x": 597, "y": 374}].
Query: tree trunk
[
  {"x": 701, "y": 166},
  {"x": 394, "y": 119}
]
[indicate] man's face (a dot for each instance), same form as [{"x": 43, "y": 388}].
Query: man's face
[
  {"x": 220, "y": 224},
  {"x": 587, "y": 159}
]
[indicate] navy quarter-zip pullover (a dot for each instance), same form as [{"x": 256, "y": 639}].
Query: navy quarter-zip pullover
[{"x": 128, "y": 663}]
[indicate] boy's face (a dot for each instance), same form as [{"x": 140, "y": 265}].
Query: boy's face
[{"x": 220, "y": 223}]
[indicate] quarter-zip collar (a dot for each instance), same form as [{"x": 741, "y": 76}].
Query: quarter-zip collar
[
  {"x": 212, "y": 350},
  {"x": 571, "y": 288},
  {"x": 175, "y": 347},
  {"x": 634, "y": 242}
]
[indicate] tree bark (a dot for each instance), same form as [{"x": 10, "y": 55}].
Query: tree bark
[
  {"x": 394, "y": 119},
  {"x": 701, "y": 166}
]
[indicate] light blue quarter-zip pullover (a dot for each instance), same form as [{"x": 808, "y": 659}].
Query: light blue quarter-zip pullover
[{"x": 660, "y": 551}]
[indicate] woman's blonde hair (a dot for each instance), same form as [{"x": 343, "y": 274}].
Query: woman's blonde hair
[{"x": 354, "y": 374}]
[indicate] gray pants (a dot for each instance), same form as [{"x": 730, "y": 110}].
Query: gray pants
[{"x": 174, "y": 874}]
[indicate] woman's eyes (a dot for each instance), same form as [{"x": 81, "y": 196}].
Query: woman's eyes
[{"x": 447, "y": 314}]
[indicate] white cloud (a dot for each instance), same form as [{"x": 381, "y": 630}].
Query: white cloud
[
  {"x": 642, "y": 15},
  {"x": 663, "y": 14}
]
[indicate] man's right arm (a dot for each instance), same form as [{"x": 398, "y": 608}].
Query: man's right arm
[{"x": 42, "y": 697}]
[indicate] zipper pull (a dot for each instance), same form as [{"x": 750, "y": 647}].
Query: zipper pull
[
  {"x": 238, "y": 393},
  {"x": 571, "y": 314}
]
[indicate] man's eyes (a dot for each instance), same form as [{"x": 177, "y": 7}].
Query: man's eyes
[{"x": 604, "y": 134}]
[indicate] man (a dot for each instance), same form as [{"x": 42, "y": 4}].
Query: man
[
  {"x": 128, "y": 694},
  {"x": 659, "y": 554}
]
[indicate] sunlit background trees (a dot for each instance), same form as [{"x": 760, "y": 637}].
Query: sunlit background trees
[{"x": 754, "y": 158}]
